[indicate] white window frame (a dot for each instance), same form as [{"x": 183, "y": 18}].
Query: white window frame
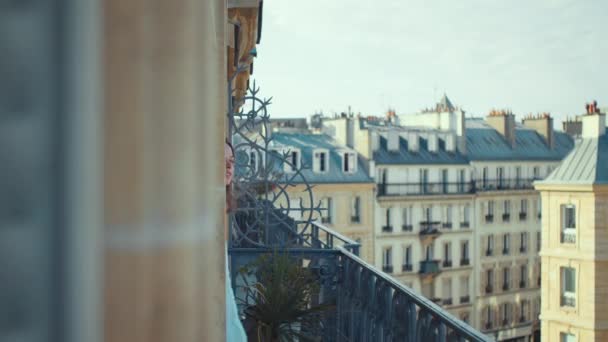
[
  {"x": 387, "y": 256},
  {"x": 352, "y": 161},
  {"x": 568, "y": 229},
  {"x": 563, "y": 291},
  {"x": 317, "y": 160}
]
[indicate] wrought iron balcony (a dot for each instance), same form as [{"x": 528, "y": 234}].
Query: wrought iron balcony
[
  {"x": 429, "y": 228},
  {"x": 489, "y": 252},
  {"x": 429, "y": 266},
  {"x": 387, "y": 268},
  {"x": 447, "y": 301},
  {"x": 505, "y": 251},
  {"x": 446, "y": 225},
  {"x": 504, "y": 184},
  {"x": 406, "y": 268},
  {"x": 355, "y": 219},
  {"x": 505, "y": 286},
  {"x": 489, "y": 289},
  {"x": 359, "y": 301},
  {"x": 407, "y": 227},
  {"x": 464, "y": 262},
  {"x": 447, "y": 263},
  {"x": 489, "y": 218},
  {"x": 522, "y": 216},
  {"x": 464, "y": 224},
  {"x": 506, "y": 217},
  {"x": 326, "y": 219},
  {"x": 568, "y": 237},
  {"x": 464, "y": 299},
  {"x": 425, "y": 189},
  {"x": 387, "y": 229},
  {"x": 523, "y": 249},
  {"x": 522, "y": 284}
]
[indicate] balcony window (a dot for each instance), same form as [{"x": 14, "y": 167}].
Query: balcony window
[
  {"x": 490, "y": 249},
  {"x": 568, "y": 286},
  {"x": 429, "y": 253},
  {"x": 506, "y": 276},
  {"x": 387, "y": 260},
  {"x": 523, "y": 242},
  {"x": 407, "y": 259},
  {"x": 327, "y": 210},
  {"x": 568, "y": 218},
  {"x": 506, "y": 214},
  {"x": 406, "y": 219},
  {"x": 489, "y": 280},
  {"x": 447, "y": 220},
  {"x": 506, "y": 243},
  {"x": 490, "y": 213},
  {"x": 500, "y": 174},
  {"x": 464, "y": 258},
  {"x": 444, "y": 181},
  {"x": 523, "y": 211},
  {"x": 466, "y": 212},
  {"x": 461, "y": 180},
  {"x": 447, "y": 255},
  {"x": 489, "y": 317},
  {"x": 523, "y": 276},
  {"x": 484, "y": 178},
  {"x": 523, "y": 310},
  {"x": 506, "y": 314},
  {"x": 388, "y": 227},
  {"x": 355, "y": 208},
  {"x": 464, "y": 289},
  {"x": 447, "y": 291},
  {"x": 566, "y": 337},
  {"x": 538, "y": 241},
  {"x": 518, "y": 176}
]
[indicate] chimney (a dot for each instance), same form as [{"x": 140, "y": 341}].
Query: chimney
[
  {"x": 594, "y": 125},
  {"x": 543, "y": 125},
  {"x": 392, "y": 141},
  {"x": 432, "y": 142},
  {"x": 573, "y": 127},
  {"x": 375, "y": 141},
  {"x": 504, "y": 122},
  {"x": 450, "y": 142},
  {"x": 413, "y": 142}
]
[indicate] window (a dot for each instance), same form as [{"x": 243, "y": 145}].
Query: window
[
  {"x": 461, "y": 180},
  {"x": 407, "y": 219},
  {"x": 428, "y": 214},
  {"x": 466, "y": 212},
  {"x": 447, "y": 220},
  {"x": 349, "y": 162},
  {"x": 407, "y": 258},
  {"x": 294, "y": 159},
  {"x": 506, "y": 214},
  {"x": 490, "y": 250},
  {"x": 489, "y": 317},
  {"x": 536, "y": 172},
  {"x": 506, "y": 242},
  {"x": 447, "y": 254},
  {"x": 447, "y": 291},
  {"x": 565, "y": 337},
  {"x": 387, "y": 260},
  {"x": 506, "y": 276},
  {"x": 429, "y": 253},
  {"x": 568, "y": 275},
  {"x": 518, "y": 176},
  {"x": 320, "y": 162},
  {"x": 444, "y": 181},
  {"x": 523, "y": 211},
  {"x": 327, "y": 205},
  {"x": 568, "y": 214},
  {"x": 523, "y": 242},
  {"x": 355, "y": 216},
  {"x": 387, "y": 217},
  {"x": 490, "y": 213},
  {"x": 464, "y": 289},
  {"x": 538, "y": 208},
  {"x": 464, "y": 250},
  {"x": 484, "y": 177},
  {"x": 500, "y": 173},
  {"x": 538, "y": 241},
  {"x": 506, "y": 313},
  {"x": 523, "y": 309},
  {"x": 523, "y": 276},
  {"x": 424, "y": 180},
  {"x": 489, "y": 280}
]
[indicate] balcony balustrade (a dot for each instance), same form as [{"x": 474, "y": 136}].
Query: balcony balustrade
[
  {"x": 568, "y": 237},
  {"x": 464, "y": 262},
  {"x": 489, "y": 289},
  {"x": 406, "y": 268},
  {"x": 429, "y": 227},
  {"x": 387, "y": 268},
  {"x": 447, "y": 263},
  {"x": 522, "y": 216},
  {"x": 387, "y": 229},
  {"x": 429, "y": 266},
  {"x": 506, "y": 217},
  {"x": 464, "y": 225},
  {"x": 568, "y": 301},
  {"x": 447, "y": 301},
  {"x": 504, "y": 184},
  {"x": 424, "y": 189},
  {"x": 522, "y": 284},
  {"x": 464, "y": 299},
  {"x": 407, "y": 227},
  {"x": 489, "y": 218}
]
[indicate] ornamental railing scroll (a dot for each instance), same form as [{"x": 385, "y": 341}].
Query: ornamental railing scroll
[{"x": 265, "y": 215}]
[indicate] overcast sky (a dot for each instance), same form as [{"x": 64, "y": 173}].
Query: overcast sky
[{"x": 528, "y": 56}]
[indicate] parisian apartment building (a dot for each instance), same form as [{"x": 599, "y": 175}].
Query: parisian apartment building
[{"x": 442, "y": 201}]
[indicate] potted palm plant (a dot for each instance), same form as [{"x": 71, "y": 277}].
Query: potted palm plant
[{"x": 280, "y": 296}]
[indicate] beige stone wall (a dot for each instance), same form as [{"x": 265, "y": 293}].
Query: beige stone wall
[{"x": 588, "y": 319}]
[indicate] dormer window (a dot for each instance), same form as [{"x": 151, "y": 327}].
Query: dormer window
[
  {"x": 321, "y": 161},
  {"x": 293, "y": 161},
  {"x": 349, "y": 162}
]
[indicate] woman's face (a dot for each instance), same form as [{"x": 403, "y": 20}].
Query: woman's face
[{"x": 229, "y": 159}]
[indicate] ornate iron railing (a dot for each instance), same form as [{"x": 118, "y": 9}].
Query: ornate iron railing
[
  {"x": 422, "y": 189},
  {"x": 504, "y": 184},
  {"x": 368, "y": 305}
]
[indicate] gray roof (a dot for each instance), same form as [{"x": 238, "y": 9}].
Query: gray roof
[
  {"x": 423, "y": 156},
  {"x": 306, "y": 143},
  {"x": 484, "y": 143},
  {"x": 587, "y": 164}
]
